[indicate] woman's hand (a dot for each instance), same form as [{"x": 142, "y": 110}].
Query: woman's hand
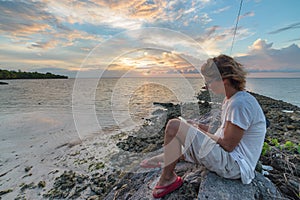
[{"x": 200, "y": 126}]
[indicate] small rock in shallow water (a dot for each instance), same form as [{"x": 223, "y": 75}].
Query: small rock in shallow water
[
  {"x": 27, "y": 186},
  {"x": 41, "y": 184},
  {"x": 2, "y": 192},
  {"x": 28, "y": 168}
]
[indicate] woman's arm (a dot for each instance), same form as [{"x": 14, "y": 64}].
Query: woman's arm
[
  {"x": 203, "y": 127},
  {"x": 232, "y": 136}
]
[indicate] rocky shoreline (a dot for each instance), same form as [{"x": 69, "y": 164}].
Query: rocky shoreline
[
  {"x": 280, "y": 159},
  {"x": 282, "y": 145},
  {"x": 90, "y": 177}
]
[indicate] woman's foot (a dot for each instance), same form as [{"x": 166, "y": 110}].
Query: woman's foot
[
  {"x": 165, "y": 187},
  {"x": 153, "y": 162}
]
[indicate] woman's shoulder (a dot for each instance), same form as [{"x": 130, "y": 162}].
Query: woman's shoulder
[
  {"x": 244, "y": 95},
  {"x": 244, "y": 98}
]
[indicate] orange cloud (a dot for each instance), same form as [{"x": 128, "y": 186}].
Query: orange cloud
[{"x": 152, "y": 63}]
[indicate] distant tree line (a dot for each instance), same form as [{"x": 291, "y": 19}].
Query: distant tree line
[{"x": 6, "y": 74}]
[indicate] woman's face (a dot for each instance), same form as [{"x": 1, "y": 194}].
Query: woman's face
[
  {"x": 216, "y": 86},
  {"x": 213, "y": 79}
]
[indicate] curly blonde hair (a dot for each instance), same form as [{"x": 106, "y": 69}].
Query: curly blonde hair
[{"x": 228, "y": 69}]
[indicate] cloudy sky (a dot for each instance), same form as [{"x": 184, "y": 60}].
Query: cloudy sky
[{"x": 148, "y": 37}]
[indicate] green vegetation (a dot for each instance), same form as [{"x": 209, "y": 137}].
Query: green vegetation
[
  {"x": 5, "y": 74},
  {"x": 287, "y": 146},
  {"x": 266, "y": 148}
]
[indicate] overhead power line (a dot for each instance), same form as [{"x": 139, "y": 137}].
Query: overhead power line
[{"x": 236, "y": 25}]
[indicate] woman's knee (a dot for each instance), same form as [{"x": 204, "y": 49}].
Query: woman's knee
[{"x": 172, "y": 127}]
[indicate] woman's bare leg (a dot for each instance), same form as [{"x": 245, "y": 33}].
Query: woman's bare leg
[{"x": 175, "y": 135}]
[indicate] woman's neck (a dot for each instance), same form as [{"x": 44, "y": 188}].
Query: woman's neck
[{"x": 230, "y": 91}]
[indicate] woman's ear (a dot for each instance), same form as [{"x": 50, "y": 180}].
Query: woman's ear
[{"x": 226, "y": 82}]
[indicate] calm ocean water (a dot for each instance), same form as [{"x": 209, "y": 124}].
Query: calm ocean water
[
  {"x": 117, "y": 99},
  {"x": 286, "y": 89},
  {"x": 36, "y": 116},
  {"x": 113, "y": 100},
  {"x": 34, "y": 107}
]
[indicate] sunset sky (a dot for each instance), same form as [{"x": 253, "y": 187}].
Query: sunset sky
[{"x": 148, "y": 37}]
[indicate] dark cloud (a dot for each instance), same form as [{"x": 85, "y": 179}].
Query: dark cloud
[
  {"x": 212, "y": 30},
  {"x": 25, "y": 18},
  {"x": 289, "y": 27},
  {"x": 32, "y": 24},
  {"x": 294, "y": 40},
  {"x": 247, "y": 14}
]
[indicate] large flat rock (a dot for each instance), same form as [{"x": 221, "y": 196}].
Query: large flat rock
[
  {"x": 139, "y": 185},
  {"x": 218, "y": 188}
]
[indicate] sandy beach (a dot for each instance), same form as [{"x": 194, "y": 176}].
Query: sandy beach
[{"x": 31, "y": 163}]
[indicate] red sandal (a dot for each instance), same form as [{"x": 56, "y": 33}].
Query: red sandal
[{"x": 168, "y": 188}]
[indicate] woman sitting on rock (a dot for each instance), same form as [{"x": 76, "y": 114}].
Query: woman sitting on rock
[{"x": 233, "y": 151}]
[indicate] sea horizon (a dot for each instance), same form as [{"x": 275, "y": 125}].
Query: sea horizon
[{"x": 270, "y": 89}]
